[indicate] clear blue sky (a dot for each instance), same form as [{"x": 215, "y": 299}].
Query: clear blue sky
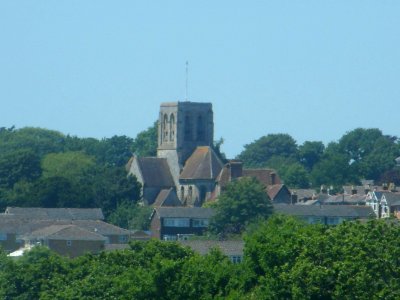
[{"x": 312, "y": 69}]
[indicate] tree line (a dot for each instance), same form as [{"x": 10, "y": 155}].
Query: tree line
[
  {"x": 45, "y": 168},
  {"x": 359, "y": 154},
  {"x": 284, "y": 258}
]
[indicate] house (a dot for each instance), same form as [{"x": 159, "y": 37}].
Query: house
[
  {"x": 66, "y": 231},
  {"x": 39, "y": 213},
  {"x": 233, "y": 249},
  {"x": 384, "y": 203},
  {"x": 186, "y": 163},
  {"x": 174, "y": 223},
  {"x": 326, "y": 214},
  {"x": 345, "y": 199},
  {"x": 67, "y": 240},
  {"x": 279, "y": 193}
]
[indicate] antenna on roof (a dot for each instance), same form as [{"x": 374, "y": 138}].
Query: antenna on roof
[{"x": 187, "y": 79}]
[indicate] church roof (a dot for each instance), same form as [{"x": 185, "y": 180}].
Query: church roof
[
  {"x": 155, "y": 172},
  {"x": 202, "y": 164},
  {"x": 167, "y": 197}
]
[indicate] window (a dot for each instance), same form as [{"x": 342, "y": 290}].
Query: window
[
  {"x": 236, "y": 259},
  {"x": 332, "y": 221},
  {"x": 200, "y": 129},
  {"x": 182, "y": 193},
  {"x": 188, "y": 133},
  {"x": 168, "y": 237},
  {"x": 200, "y": 222},
  {"x": 176, "y": 222},
  {"x": 122, "y": 238},
  {"x": 69, "y": 243},
  {"x": 172, "y": 128}
]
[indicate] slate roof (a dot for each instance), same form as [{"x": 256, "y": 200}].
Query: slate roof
[
  {"x": 56, "y": 213},
  {"x": 202, "y": 164},
  {"x": 262, "y": 175},
  {"x": 304, "y": 194},
  {"x": 184, "y": 212},
  {"x": 167, "y": 197},
  {"x": 65, "y": 232},
  {"x": 229, "y": 248},
  {"x": 21, "y": 226},
  {"x": 346, "y": 199},
  {"x": 348, "y": 189},
  {"x": 155, "y": 172},
  {"x": 349, "y": 211},
  {"x": 392, "y": 199}
]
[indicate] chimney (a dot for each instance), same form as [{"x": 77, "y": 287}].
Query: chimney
[
  {"x": 385, "y": 186},
  {"x": 294, "y": 197},
  {"x": 323, "y": 189},
  {"x": 273, "y": 178},
  {"x": 236, "y": 169},
  {"x": 392, "y": 187},
  {"x": 353, "y": 190}
]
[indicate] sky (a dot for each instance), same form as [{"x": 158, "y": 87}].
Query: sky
[{"x": 311, "y": 69}]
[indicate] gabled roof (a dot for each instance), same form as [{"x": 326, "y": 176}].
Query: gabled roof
[
  {"x": 39, "y": 213},
  {"x": 273, "y": 190},
  {"x": 265, "y": 176},
  {"x": 22, "y": 226},
  {"x": 202, "y": 164},
  {"x": 167, "y": 197},
  {"x": 348, "y": 211},
  {"x": 65, "y": 232},
  {"x": 183, "y": 212},
  {"x": 392, "y": 199},
  {"x": 155, "y": 172}
]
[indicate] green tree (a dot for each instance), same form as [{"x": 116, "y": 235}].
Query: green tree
[
  {"x": 310, "y": 153},
  {"x": 145, "y": 143},
  {"x": 244, "y": 201},
  {"x": 258, "y": 153},
  {"x": 21, "y": 164},
  {"x": 295, "y": 176},
  {"x": 371, "y": 152},
  {"x": 131, "y": 216}
]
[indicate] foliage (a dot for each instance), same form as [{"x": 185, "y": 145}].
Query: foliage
[
  {"x": 285, "y": 258},
  {"x": 145, "y": 143},
  {"x": 243, "y": 202},
  {"x": 258, "y": 153},
  {"x": 131, "y": 216}
]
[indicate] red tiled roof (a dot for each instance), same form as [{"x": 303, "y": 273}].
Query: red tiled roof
[{"x": 263, "y": 175}]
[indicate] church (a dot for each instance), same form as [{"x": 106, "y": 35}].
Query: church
[{"x": 187, "y": 171}]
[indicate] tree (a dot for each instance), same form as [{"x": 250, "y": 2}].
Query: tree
[
  {"x": 371, "y": 152},
  {"x": 295, "y": 176},
  {"x": 145, "y": 143},
  {"x": 258, "y": 153},
  {"x": 243, "y": 202},
  {"x": 310, "y": 153},
  {"x": 21, "y": 164},
  {"x": 131, "y": 215}
]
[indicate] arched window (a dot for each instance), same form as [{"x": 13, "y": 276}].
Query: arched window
[
  {"x": 200, "y": 129},
  {"x": 188, "y": 128},
  {"x": 165, "y": 127},
  {"x": 172, "y": 128},
  {"x": 190, "y": 193},
  {"x": 203, "y": 193},
  {"x": 182, "y": 193}
]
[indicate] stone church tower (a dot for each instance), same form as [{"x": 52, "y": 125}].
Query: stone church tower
[{"x": 182, "y": 127}]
